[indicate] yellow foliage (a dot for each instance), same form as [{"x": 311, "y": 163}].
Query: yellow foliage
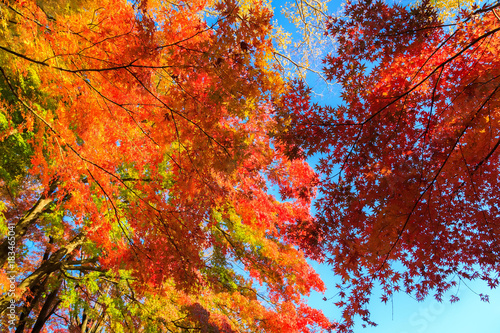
[
  {"x": 310, "y": 43},
  {"x": 448, "y": 9}
]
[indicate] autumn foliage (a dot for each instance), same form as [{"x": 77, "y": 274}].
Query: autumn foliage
[
  {"x": 136, "y": 163},
  {"x": 409, "y": 160},
  {"x": 153, "y": 173}
]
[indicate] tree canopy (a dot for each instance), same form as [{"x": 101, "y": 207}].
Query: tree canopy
[
  {"x": 154, "y": 173},
  {"x": 136, "y": 163},
  {"x": 409, "y": 159}
]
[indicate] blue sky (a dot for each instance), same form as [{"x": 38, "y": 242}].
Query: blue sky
[{"x": 404, "y": 314}]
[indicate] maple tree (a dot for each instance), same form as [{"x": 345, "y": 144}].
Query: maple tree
[
  {"x": 135, "y": 169},
  {"x": 409, "y": 160}
]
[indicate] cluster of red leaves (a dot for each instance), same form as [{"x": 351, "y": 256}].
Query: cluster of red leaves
[{"x": 409, "y": 160}]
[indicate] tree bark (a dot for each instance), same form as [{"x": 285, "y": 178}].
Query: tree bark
[
  {"x": 53, "y": 264},
  {"x": 51, "y": 303},
  {"x": 41, "y": 206}
]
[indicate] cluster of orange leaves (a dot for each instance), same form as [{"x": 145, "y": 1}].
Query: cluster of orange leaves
[{"x": 154, "y": 122}]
